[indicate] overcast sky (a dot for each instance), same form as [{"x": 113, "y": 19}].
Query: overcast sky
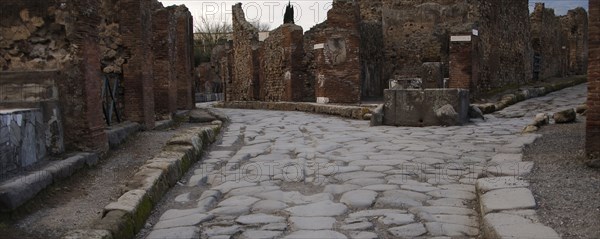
[{"x": 307, "y": 12}]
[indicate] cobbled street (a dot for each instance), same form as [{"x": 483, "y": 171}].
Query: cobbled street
[{"x": 298, "y": 175}]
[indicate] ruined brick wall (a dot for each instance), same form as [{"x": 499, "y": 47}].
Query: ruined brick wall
[
  {"x": 593, "y": 114},
  {"x": 335, "y": 48},
  {"x": 164, "y": 50},
  {"x": 136, "y": 30},
  {"x": 281, "y": 64},
  {"x": 371, "y": 49},
  {"x": 244, "y": 83},
  {"x": 575, "y": 28},
  {"x": 548, "y": 42},
  {"x": 63, "y": 36},
  {"x": 184, "y": 65}
]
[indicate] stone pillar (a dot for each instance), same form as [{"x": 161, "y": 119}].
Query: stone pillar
[
  {"x": 136, "y": 25},
  {"x": 244, "y": 83},
  {"x": 185, "y": 58},
  {"x": 461, "y": 62},
  {"x": 593, "y": 113},
  {"x": 163, "y": 47},
  {"x": 80, "y": 92}
]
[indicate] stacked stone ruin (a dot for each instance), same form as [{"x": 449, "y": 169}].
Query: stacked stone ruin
[
  {"x": 139, "y": 45},
  {"x": 352, "y": 56}
]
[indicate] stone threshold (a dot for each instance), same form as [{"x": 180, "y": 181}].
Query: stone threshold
[
  {"x": 533, "y": 92},
  {"x": 345, "y": 111},
  {"x": 128, "y": 215},
  {"x": 506, "y": 204}
]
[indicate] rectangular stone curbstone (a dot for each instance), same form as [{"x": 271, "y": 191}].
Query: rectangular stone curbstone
[
  {"x": 507, "y": 199},
  {"x": 501, "y": 226},
  {"x": 152, "y": 181},
  {"x": 67, "y": 167},
  {"x": 137, "y": 204},
  {"x": 187, "y": 155},
  {"x": 171, "y": 169},
  {"x": 189, "y": 138},
  {"x": 119, "y": 133},
  {"x": 16, "y": 192},
  {"x": 488, "y": 184},
  {"x": 510, "y": 169},
  {"x": 91, "y": 159},
  {"x": 119, "y": 223},
  {"x": 88, "y": 234}
]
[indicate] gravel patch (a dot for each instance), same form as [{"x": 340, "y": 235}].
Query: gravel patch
[{"x": 567, "y": 191}]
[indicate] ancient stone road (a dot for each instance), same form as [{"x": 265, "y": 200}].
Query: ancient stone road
[{"x": 298, "y": 175}]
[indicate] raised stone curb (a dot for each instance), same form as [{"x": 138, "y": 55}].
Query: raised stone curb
[
  {"x": 16, "y": 192},
  {"x": 505, "y": 202},
  {"x": 128, "y": 214},
  {"x": 511, "y": 99},
  {"x": 346, "y": 111},
  {"x": 119, "y": 133}
]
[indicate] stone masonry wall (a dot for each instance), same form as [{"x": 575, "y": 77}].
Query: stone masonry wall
[
  {"x": 504, "y": 44},
  {"x": 281, "y": 64},
  {"x": 593, "y": 114},
  {"x": 337, "y": 55},
  {"x": 549, "y": 44},
  {"x": 417, "y": 31},
  {"x": 371, "y": 49},
  {"x": 244, "y": 83},
  {"x": 575, "y": 28},
  {"x": 163, "y": 46}
]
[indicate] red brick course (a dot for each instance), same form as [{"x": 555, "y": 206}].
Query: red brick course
[
  {"x": 138, "y": 82},
  {"x": 184, "y": 65},
  {"x": 165, "y": 82}
]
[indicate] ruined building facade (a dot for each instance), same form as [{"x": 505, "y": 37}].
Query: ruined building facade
[
  {"x": 80, "y": 60},
  {"x": 352, "y": 56}
]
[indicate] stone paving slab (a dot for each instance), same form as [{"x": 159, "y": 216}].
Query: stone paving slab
[{"x": 297, "y": 175}]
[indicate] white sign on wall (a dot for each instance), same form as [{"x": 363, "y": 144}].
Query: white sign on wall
[
  {"x": 460, "y": 38},
  {"x": 319, "y": 46}
]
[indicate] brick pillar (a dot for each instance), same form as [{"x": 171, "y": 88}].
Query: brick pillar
[
  {"x": 184, "y": 58},
  {"x": 163, "y": 47},
  {"x": 136, "y": 25},
  {"x": 461, "y": 60},
  {"x": 593, "y": 114},
  {"x": 80, "y": 92}
]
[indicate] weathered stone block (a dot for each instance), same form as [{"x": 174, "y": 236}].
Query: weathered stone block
[{"x": 418, "y": 107}]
